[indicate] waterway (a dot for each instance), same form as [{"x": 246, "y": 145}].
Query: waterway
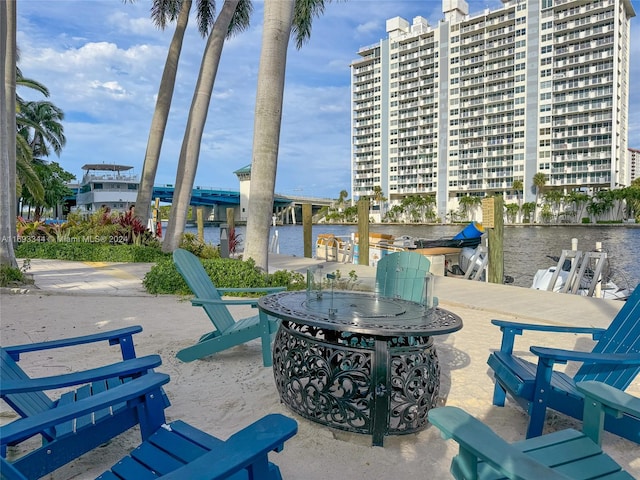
[{"x": 525, "y": 247}]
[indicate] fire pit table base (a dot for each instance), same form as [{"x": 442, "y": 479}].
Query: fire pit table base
[{"x": 377, "y": 385}]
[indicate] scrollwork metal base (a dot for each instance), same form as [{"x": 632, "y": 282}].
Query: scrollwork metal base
[{"x": 355, "y": 382}]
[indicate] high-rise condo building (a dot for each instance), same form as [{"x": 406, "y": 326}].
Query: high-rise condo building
[{"x": 479, "y": 102}]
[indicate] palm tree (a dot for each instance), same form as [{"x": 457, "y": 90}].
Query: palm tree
[
  {"x": 40, "y": 123},
  {"x": 161, "y": 12},
  {"x": 554, "y": 198},
  {"x": 539, "y": 181},
  {"x": 518, "y": 186},
  {"x": 511, "y": 211},
  {"x": 280, "y": 18},
  {"x": 26, "y": 177},
  {"x": 39, "y": 132},
  {"x": 527, "y": 209},
  {"x": 579, "y": 201},
  {"x": 7, "y": 133},
  {"x": 233, "y": 17},
  {"x": 468, "y": 204},
  {"x": 633, "y": 200},
  {"x": 342, "y": 197}
]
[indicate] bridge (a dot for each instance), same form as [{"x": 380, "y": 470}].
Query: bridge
[
  {"x": 285, "y": 207},
  {"x": 209, "y": 196}
]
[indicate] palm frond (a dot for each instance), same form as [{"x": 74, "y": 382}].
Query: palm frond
[
  {"x": 241, "y": 18},
  {"x": 304, "y": 13},
  {"x": 205, "y": 16}
]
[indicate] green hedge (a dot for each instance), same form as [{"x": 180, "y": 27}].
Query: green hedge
[
  {"x": 163, "y": 278},
  {"x": 90, "y": 252}
]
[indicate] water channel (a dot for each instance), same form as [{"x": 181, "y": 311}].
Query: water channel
[{"x": 525, "y": 247}]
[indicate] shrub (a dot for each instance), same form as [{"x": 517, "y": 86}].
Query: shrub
[
  {"x": 90, "y": 252},
  {"x": 10, "y": 276},
  {"x": 101, "y": 227},
  {"x": 163, "y": 278},
  {"x": 191, "y": 244}
]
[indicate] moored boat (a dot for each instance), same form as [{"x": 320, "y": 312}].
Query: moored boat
[{"x": 443, "y": 252}]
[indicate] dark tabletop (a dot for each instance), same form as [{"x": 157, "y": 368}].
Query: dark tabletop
[{"x": 359, "y": 312}]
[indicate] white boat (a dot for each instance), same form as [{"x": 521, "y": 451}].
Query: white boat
[{"x": 569, "y": 278}]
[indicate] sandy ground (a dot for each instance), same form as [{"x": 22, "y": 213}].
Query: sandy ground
[{"x": 224, "y": 392}]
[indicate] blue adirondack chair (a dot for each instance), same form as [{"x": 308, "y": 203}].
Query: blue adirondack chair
[
  {"x": 174, "y": 451},
  {"x": 615, "y": 360},
  {"x": 401, "y": 275},
  {"x": 67, "y": 440},
  {"x": 561, "y": 455},
  {"x": 228, "y": 332}
]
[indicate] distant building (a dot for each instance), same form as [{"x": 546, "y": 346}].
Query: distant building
[
  {"x": 634, "y": 163},
  {"x": 476, "y": 102},
  {"x": 107, "y": 185}
]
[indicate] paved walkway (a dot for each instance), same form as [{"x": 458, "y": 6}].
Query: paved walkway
[{"x": 124, "y": 279}]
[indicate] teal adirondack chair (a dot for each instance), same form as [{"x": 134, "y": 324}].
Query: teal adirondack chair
[
  {"x": 401, "y": 275},
  {"x": 562, "y": 455},
  {"x": 615, "y": 360},
  {"x": 228, "y": 332},
  {"x": 174, "y": 451},
  {"x": 79, "y": 433}
]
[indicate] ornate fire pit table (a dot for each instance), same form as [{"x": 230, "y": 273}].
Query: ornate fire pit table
[{"x": 357, "y": 361}]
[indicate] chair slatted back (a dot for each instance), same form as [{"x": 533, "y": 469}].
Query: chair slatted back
[
  {"x": 401, "y": 275},
  {"x": 193, "y": 272},
  {"x": 622, "y": 336},
  {"x": 25, "y": 404}
]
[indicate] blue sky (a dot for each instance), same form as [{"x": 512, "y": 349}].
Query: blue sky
[{"x": 102, "y": 61}]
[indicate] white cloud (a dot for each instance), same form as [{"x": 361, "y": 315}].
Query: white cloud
[{"x": 368, "y": 28}]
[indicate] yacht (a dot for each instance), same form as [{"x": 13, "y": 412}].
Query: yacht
[{"x": 107, "y": 185}]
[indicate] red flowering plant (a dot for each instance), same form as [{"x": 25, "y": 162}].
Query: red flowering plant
[{"x": 235, "y": 239}]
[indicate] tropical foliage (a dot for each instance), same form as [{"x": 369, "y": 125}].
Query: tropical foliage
[
  {"x": 163, "y": 278},
  {"x": 40, "y": 184},
  {"x": 102, "y": 227}
]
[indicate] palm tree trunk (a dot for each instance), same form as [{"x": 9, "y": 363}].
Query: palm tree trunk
[
  {"x": 278, "y": 17},
  {"x": 190, "y": 151},
  {"x": 160, "y": 116},
  {"x": 8, "y": 132}
]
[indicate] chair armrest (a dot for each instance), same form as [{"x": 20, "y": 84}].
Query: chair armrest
[
  {"x": 520, "y": 327},
  {"x": 121, "y": 336},
  {"x": 124, "y": 368},
  {"x": 600, "y": 400},
  {"x": 511, "y": 329},
  {"x": 200, "y": 302},
  {"x": 478, "y": 441},
  {"x": 250, "y": 290},
  {"x": 23, "y": 428},
  {"x": 559, "y": 355},
  {"x": 610, "y": 397},
  {"x": 248, "y": 447}
]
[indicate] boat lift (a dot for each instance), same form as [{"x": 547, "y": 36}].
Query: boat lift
[{"x": 585, "y": 273}]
